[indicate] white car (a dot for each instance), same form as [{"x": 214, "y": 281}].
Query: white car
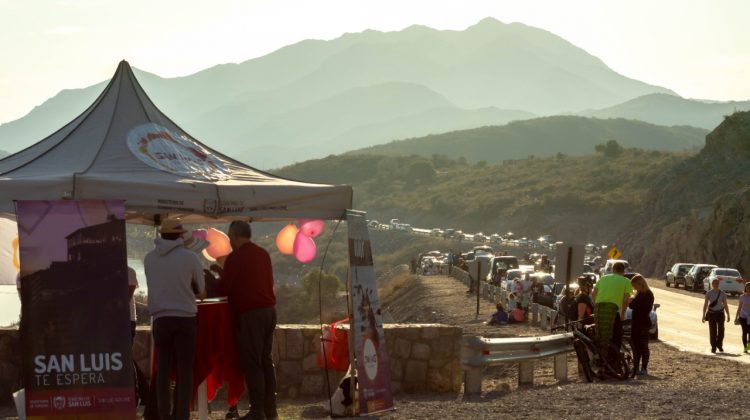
[
  {"x": 731, "y": 281},
  {"x": 607, "y": 269},
  {"x": 653, "y": 331}
]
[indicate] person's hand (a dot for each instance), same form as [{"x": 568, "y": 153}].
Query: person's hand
[
  {"x": 216, "y": 268},
  {"x": 704, "y": 319},
  {"x": 727, "y": 319}
]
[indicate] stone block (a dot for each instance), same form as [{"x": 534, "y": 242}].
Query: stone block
[
  {"x": 295, "y": 343},
  {"x": 289, "y": 372},
  {"x": 310, "y": 363},
  {"x": 439, "y": 380},
  {"x": 437, "y": 363},
  {"x": 429, "y": 333},
  {"x": 444, "y": 348},
  {"x": 313, "y": 384},
  {"x": 397, "y": 369},
  {"x": 410, "y": 333},
  {"x": 416, "y": 371},
  {"x": 403, "y": 348},
  {"x": 279, "y": 339},
  {"x": 397, "y": 387},
  {"x": 420, "y": 351}
]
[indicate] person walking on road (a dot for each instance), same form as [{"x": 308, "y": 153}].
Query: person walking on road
[
  {"x": 247, "y": 281},
  {"x": 714, "y": 308},
  {"x": 743, "y": 317},
  {"x": 641, "y": 323},
  {"x": 174, "y": 276}
]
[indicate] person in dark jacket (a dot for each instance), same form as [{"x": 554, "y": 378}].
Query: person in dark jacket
[{"x": 641, "y": 305}]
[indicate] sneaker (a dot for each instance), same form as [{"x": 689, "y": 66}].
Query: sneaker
[
  {"x": 721, "y": 349},
  {"x": 713, "y": 349},
  {"x": 643, "y": 372}
]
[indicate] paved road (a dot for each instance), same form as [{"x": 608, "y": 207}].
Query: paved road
[{"x": 680, "y": 325}]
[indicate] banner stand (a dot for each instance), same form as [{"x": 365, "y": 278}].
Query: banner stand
[{"x": 367, "y": 337}]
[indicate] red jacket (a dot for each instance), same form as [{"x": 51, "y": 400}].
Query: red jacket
[{"x": 247, "y": 280}]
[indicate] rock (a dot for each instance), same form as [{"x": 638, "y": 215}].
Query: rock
[
  {"x": 295, "y": 343},
  {"x": 397, "y": 369},
  {"x": 420, "y": 351},
  {"x": 310, "y": 363},
  {"x": 416, "y": 371},
  {"x": 403, "y": 348},
  {"x": 313, "y": 385},
  {"x": 289, "y": 372},
  {"x": 439, "y": 380},
  {"x": 429, "y": 333}
]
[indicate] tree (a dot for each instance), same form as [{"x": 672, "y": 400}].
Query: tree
[
  {"x": 422, "y": 170},
  {"x": 610, "y": 149},
  {"x": 328, "y": 284}
]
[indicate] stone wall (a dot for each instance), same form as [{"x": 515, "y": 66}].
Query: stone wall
[{"x": 423, "y": 358}]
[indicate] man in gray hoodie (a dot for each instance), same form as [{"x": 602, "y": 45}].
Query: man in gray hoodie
[{"x": 174, "y": 276}]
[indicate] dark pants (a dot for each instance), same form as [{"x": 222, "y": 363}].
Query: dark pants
[
  {"x": 745, "y": 332},
  {"x": 174, "y": 339},
  {"x": 255, "y": 339},
  {"x": 716, "y": 329},
  {"x": 617, "y": 331},
  {"x": 639, "y": 336},
  {"x": 132, "y": 332}
]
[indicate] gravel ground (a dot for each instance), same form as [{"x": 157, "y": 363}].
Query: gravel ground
[{"x": 680, "y": 385}]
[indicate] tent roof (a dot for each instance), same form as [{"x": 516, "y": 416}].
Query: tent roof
[{"x": 123, "y": 147}]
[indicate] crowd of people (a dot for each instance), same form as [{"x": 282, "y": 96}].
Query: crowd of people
[{"x": 176, "y": 278}]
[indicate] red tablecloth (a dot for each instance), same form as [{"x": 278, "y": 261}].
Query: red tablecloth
[{"x": 216, "y": 357}]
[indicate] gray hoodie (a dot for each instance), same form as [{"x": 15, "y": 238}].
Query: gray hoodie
[{"x": 171, "y": 270}]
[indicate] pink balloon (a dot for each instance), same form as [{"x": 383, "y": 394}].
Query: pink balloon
[
  {"x": 285, "y": 239},
  {"x": 201, "y": 233},
  {"x": 304, "y": 248},
  {"x": 219, "y": 245},
  {"x": 311, "y": 227}
]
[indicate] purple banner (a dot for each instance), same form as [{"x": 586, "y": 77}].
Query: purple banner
[{"x": 75, "y": 325}]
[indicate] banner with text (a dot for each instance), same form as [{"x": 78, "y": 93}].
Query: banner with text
[
  {"x": 373, "y": 372},
  {"x": 75, "y": 320}
]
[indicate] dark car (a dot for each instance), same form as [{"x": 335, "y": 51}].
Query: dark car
[
  {"x": 694, "y": 277},
  {"x": 676, "y": 275}
]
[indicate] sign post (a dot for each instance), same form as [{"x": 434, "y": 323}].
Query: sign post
[
  {"x": 373, "y": 371},
  {"x": 75, "y": 330}
]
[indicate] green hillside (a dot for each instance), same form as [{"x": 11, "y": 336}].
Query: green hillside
[
  {"x": 544, "y": 137},
  {"x": 583, "y": 198},
  {"x": 662, "y": 109}
]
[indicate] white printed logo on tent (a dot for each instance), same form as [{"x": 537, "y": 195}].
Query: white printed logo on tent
[{"x": 169, "y": 151}]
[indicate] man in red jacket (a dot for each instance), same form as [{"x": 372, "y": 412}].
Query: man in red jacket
[{"x": 247, "y": 280}]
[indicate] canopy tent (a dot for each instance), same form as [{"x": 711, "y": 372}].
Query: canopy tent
[{"x": 123, "y": 147}]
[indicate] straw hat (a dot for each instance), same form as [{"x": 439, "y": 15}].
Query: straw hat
[{"x": 172, "y": 226}]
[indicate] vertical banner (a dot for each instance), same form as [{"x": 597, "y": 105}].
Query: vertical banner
[
  {"x": 75, "y": 334},
  {"x": 373, "y": 372}
]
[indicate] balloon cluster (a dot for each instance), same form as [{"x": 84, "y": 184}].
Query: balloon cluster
[
  {"x": 218, "y": 241},
  {"x": 299, "y": 241}
]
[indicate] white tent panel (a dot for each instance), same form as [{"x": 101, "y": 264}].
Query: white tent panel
[{"x": 123, "y": 147}]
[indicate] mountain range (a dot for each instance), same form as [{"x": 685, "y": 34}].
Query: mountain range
[{"x": 317, "y": 97}]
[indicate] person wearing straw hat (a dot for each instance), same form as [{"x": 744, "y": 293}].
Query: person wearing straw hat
[{"x": 174, "y": 276}]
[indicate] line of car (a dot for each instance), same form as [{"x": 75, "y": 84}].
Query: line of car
[{"x": 698, "y": 278}]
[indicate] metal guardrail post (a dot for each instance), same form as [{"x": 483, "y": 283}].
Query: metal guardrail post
[
  {"x": 534, "y": 314},
  {"x": 561, "y": 367},
  {"x": 472, "y": 374},
  {"x": 544, "y": 321}
]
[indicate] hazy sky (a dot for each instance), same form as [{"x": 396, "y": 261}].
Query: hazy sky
[{"x": 699, "y": 49}]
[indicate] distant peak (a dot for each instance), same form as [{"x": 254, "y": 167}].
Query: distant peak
[{"x": 487, "y": 22}]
